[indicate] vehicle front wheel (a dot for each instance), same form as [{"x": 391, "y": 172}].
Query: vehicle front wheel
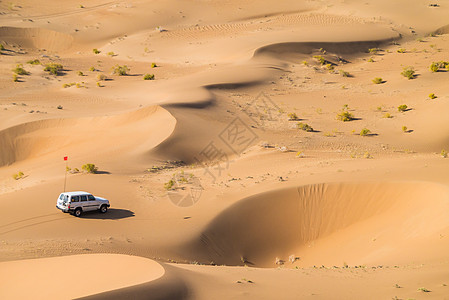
[
  {"x": 78, "y": 212},
  {"x": 103, "y": 209}
]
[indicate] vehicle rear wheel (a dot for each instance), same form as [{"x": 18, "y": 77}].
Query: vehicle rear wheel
[
  {"x": 103, "y": 209},
  {"x": 78, "y": 212}
]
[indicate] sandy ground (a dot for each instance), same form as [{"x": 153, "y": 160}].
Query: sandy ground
[{"x": 230, "y": 174}]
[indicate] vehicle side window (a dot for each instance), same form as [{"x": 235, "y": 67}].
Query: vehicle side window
[
  {"x": 61, "y": 197},
  {"x": 75, "y": 199},
  {"x": 91, "y": 198},
  {"x": 66, "y": 197},
  {"x": 83, "y": 198}
]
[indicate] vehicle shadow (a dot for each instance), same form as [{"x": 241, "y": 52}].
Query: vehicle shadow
[{"x": 112, "y": 214}]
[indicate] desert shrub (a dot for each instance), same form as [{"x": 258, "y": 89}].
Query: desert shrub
[
  {"x": 81, "y": 6},
  {"x": 401, "y": 50},
  {"x": 345, "y": 116},
  {"x": 304, "y": 126},
  {"x": 404, "y": 128},
  {"x": 2, "y": 47},
  {"x": 59, "y": 107},
  {"x": 120, "y": 70},
  {"x": 169, "y": 185},
  {"x": 80, "y": 73},
  {"x": 373, "y": 50},
  {"x": 53, "y": 68},
  {"x": 111, "y": 53},
  {"x": 330, "y": 67},
  {"x": 320, "y": 59},
  {"x": 96, "y": 51},
  {"x": 19, "y": 70},
  {"x": 434, "y": 67},
  {"x": 15, "y": 78},
  {"x": 148, "y": 77},
  {"x": 18, "y": 176},
  {"x": 99, "y": 84},
  {"x": 101, "y": 77},
  {"x": 92, "y": 69},
  {"x": 388, "y": 116},
  {"x": 305, "y": 63},
  {"x": 90, "y": 168},
  {"x": 443, "y": 153},
  {"x": 422, "y": 289},
  {"x": 293, "y": 116},
  {"x": 402, "y": 107},
  {"x": 344, "y": 73},
  {"x": 408, "y": 72},
  {"x": 432, "y": 96},
  {"x": 34, "y": 62},
  {"x": 153, "y": 65},
  {"x": 377, "y": 80},
  {"x": 365, "y": 132},
  {"x": 367, "y": 155},
  {"x": 371, "y": 59}
]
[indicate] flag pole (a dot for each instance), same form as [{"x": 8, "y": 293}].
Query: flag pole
[{"x": 66, "y": 166}]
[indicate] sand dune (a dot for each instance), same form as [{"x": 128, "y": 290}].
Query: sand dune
[
  {"x": 76, "y": 276},
  {"x": 306, "y": 206},
  {"x": 47, "y": 137},
  {"x": 276, "y": 224},
  {"x": 39, "y": 38}
]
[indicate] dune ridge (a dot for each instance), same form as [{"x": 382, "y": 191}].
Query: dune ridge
[{"x": 39, "y": 38}]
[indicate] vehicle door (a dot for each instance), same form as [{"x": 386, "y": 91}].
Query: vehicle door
[
  {"x": 85, "y": 203},
  {"x": 93, "y": 203},
  {"x": 74, "y": 202}
]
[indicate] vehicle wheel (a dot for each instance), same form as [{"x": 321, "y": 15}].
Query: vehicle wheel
[
  {"x": 78, "y": 212},
  {"x": 103, "y": 209}
]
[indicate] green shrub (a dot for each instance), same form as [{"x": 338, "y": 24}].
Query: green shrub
[
  {"x": 402, "y": 107},
  {"x": 371, "y": 59},
  {"x": 345, "y": 116},
  {"x": 373, "y": 50},
  {"x": 388, "y": 116},
  {"x": 2, "y": 47},
  {"x": 408, "y": 72},
  {"x": 101, "y": 77},
  {"x": 111, "y": 53},
  {"x": 432, "y": 96},
  {"x": 344, "y": 73},
  {"x": 293, "y": 116},
  {"x": 365, "y": 132},
  {"x": 169, "y": 185},
  {"x": 377, "y": 80},
  {"x": 434, "y": 67},
  {"x": 53, "y": 68},
  {"x": 401, "y": 50},
  {"x": 15, "y": 78},
  {"x": 19, "y": 70},
  {"x": 422, "y": 289},
  {"x": 404, "y": 129},
  {"x": 99, "y": 84},
  {"x": 92, "y": 69},
  {"x": 96, "y": 51},
  {"x": 18, "y": 176},
  {"x": 320, "y": 59},
  {"x": 34, "y": 62},
  {"x": 120, "y": 70},
  {"x": 90, "y": 168},
  {"x": 148, "y": 77},
  {"x": 153, "y": 65},
  {"x": 443, "y": 153},
  {"x": 80, "y": 73},
  {"x": 304, "y": 126}
]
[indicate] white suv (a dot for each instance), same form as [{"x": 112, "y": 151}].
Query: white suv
[{"x": 79, "y": 202}]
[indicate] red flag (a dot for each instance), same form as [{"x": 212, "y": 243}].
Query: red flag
[{"x": 66, "y": 157}]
